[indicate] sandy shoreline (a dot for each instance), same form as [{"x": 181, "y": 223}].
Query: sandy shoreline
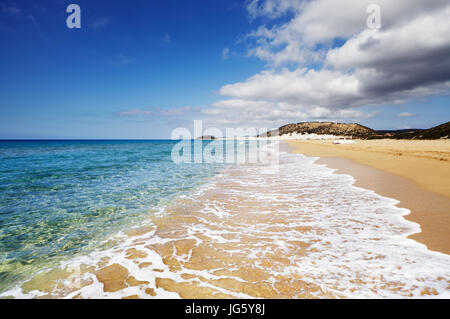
[{"x": 417, "y": 173}]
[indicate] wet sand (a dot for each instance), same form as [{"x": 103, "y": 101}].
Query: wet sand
[{"x": 417, "y": 173}]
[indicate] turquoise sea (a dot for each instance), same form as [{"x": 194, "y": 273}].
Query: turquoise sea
[{"x": 62, "y": 198}]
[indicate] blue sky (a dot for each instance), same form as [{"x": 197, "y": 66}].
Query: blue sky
[{"x": 140, "y": 68}]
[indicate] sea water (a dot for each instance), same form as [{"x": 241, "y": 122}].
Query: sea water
[
  {"x": 62, "y": 198},
  {"x": 295, "y": 230}
]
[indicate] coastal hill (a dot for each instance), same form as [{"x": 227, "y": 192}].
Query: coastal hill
[
  {"x": 355, "y": 130},
  {"x": 437, "y": 132},
  {"x": 325, "y": 128}
]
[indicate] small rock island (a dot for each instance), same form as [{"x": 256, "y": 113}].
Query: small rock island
[{"x": 206, "y": 138}]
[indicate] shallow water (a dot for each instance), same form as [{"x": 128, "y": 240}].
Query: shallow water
[
  {"x": 62, "y": 198},
  {"x": 252, "y": 230}
]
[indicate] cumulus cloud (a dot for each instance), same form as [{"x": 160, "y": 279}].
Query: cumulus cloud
[
  {"x": 322, "y": 21},
  {"x": 413, "y": 55},
  {"x": 260, "y": 113},
  {"x": 407, "y": 58},
  {"x": 302, "y": 87}
]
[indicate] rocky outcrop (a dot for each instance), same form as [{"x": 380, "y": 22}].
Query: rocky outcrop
[{"x": 206, "y": 137}]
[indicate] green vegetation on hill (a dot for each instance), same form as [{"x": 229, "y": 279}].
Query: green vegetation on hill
[
  {"x": 437, "y": 132},
  {"x": 354, "y": 130}
]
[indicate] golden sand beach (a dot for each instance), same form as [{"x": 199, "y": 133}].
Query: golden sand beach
[{"x": 415, "y": 172}]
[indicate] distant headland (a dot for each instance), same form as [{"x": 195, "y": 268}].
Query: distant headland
[{"x": 354, "y": 130}]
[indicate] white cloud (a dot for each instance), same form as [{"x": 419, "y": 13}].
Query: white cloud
[
  {"x": 409, "y": 57},
  {"x": 324, "y": 20},
  {"x": 165, "y": 112},
  {"x": 405, "y": 114},
  {"x": 135, "y": 112},
  {"x": 301, "y": 87},
  {"x": 254, "y": 113},
  {"x": 271, "y": 8}
]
